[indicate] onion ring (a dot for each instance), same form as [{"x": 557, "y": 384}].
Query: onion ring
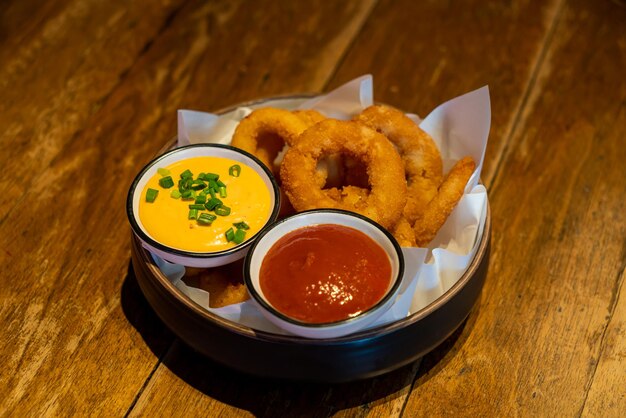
[
  {"x": 309, "y": 116},
  {"x": 304, "y": 186},
  {"x": 447, "y": 197},
  {"x": 420, "y": 155},
  {"x": 265, "y": 131}
]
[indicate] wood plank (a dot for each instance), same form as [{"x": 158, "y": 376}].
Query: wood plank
[
  {"x": 59, "y": 62},
  {"x": 200, "y": 383},
  {"x": 606, "y": 396},
  {"x": 68, "y": 342},
  {"x": 558, "y": 249},
  {"x": 422, "y": 54},
  {"x": 56, "y": 69}
]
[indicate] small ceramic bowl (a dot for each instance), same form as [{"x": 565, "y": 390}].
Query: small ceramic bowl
[
  {"x": 188, "y": 258},
  {"x": 268, "y": 238}
]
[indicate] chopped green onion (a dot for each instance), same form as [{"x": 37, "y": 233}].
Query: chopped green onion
[
  {"x": 240, "y": 235},
  {"x": 187, "y": 195},
  {"x": 241, "y": 225},
  {"x": 222, "y": 210},
  {"x": 206, "y": 219},
  {"x": 193, "y": 214},
  {"x": 166, "y": 182},
  {"x": 212, "y": 192},
  {"x": 212, "y": 203},
  {"x": 163, "y": 172},
  {"x": 194, "y": 206},
  {"x": 235, "y": 170},
  {"x": 220, "y": 183},
  {"x": 151, "y": 195},
  {"x": 186, "y": 174},
  {"x": 213, "y": 185},
  {"x": 230, "y": 235},
  {"x": 201, "y": 199},
  {"x": 175, "y": 194},
  {"x": 198, "y": 185},
  {"x": 211, "y": 176},
  {"x": 222, "y": 191}
]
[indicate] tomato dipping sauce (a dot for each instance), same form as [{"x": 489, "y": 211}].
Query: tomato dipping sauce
[{"x": 325, "y": 273}]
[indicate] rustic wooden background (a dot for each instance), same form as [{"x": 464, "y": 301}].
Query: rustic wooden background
[{"x": 89, "y": 91}]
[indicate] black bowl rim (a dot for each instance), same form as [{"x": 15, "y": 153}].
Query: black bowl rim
[
  {"x": 327, "y": 325},
  {"x": 191, "y": 254}
]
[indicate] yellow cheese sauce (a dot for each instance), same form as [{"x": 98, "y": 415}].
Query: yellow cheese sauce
[{"x": 166, "y": 219}]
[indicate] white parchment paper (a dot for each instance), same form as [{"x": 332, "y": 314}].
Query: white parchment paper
[{"x": 459, "y": 127}]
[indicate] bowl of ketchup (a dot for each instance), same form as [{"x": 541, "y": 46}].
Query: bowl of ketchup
[{"x": 324, "y": 273}]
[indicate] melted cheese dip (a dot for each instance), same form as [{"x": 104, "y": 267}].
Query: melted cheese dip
[{"x": 166, "y": 219}]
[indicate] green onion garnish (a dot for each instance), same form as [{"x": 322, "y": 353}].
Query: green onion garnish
[
  {"x": 235, "y": 170},
  {"x": 187, "y": 195},
  {"x": 198, "y": 207},
  {"x": 241, "y": 225},
  {"x": 211, "y": 176},
  {"x": 222, "y": 210},
  {"x": 230, "y": 235},
  {"x": 186, "y": 174},
  {"x": 213, "y": 185},
  {"x": 151, "y": 195},
  {"x": 175, "y": 194},
  {"x": 201, "y": 199},
  {"x": 198, "y": 185},
  {"x": 222, "y": 191},
  {"x": 163, "y": 172},
  {"x": 206, "y": 219},
  {"x": 166, "y": 182},
  {"x": 220, "y": 183},
  {"x": 240, "y": 235},
  {"x": 212, "y": 203},
  {"x": 193, "y": 214}
]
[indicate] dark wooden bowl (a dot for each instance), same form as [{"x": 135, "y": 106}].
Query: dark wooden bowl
[{"x": 358, "y": 356}]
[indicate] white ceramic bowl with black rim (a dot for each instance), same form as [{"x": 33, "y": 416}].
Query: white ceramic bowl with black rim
[
  {"x": 269, "y": 236},
  {"x": 190, "y": 258}
]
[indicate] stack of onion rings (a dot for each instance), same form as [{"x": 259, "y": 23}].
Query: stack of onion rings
[{"x": 381, "y": 164}]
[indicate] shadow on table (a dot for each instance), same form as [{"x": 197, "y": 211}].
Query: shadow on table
[{"x": 262, "y": 396}]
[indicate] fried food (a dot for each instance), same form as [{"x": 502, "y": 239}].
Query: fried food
[
  {"x": 440, "y": 207},
  {"x": 266, "y": 131},
  {"x": 304, "y": 185},
  {"x": 420, "y": 155},
  {"x": 224, "y": 283},
  {"x": 309, "y": 116},
  {"x": 403, "y": 232},
  {"x": 381, "y": 165}
]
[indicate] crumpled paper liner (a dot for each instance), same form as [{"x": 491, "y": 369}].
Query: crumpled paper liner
[{"x": 459, "y": 127}]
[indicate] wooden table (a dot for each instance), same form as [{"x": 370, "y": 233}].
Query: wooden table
[{"x": 89, "y": 92}]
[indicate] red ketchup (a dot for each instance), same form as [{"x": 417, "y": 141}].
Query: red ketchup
[{"x": 325, "y": 273}]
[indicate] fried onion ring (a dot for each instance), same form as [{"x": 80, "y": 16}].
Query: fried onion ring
[
  {"x": 265, "y": 131},
  {"x": 309, "y": 116},
  {"x": 447, "y": 197},
  {"x": 420, "y": 155},
  {"x": 304, "y": 186}
]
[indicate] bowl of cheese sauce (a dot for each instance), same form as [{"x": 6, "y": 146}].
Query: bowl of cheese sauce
[
  {"x": 202, "y": 205},
  {"x": 324, "y": 273}
]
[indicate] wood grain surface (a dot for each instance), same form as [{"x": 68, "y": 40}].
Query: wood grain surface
[{"x": 89, "y": 92}]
